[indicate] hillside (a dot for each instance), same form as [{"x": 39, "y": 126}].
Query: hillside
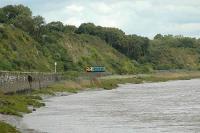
[
  {"x": 86, "y": 50},
  {"x": 19, "y": 51},
  {"x": 164, "y": 52},
  {"x": 175, "y": 52},
  {"x": 27, "y": 43}
]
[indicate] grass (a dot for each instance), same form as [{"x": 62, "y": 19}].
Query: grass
[
  {"x": 17, "y": 104},
  {"x": 6, "y": 128},
  {"x": 154, "y": 77}
]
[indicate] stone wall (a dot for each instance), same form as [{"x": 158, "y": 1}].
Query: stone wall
[{"x": 20, "y": 81}]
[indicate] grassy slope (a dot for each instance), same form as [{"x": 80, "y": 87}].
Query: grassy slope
[
  {"x": 16, "y": 104},
  {"x": 87, "y": 50},
  {"x": 18, "y": 51},
  {"x": 6, "y": 128},
  {"x": 169, "y": 57}
]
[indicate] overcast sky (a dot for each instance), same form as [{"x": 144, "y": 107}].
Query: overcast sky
[{"x": 142, "y": 17}]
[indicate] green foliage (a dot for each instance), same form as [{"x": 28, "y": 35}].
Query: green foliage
[
  {"x": 158, "y": 36},
  {"x": 87, "y": 28},
  {"x": 72, "y": 52},
  {"x": 70, "y": 29},
  {"x": 163, "y": 52},
  {"x": 135, "y": 47},
  {"x": 16, "y": 104},
  {"x": 6, "y": 128},
  {"x": 18, "y": 51},
  {"x": 174, "y": 52},
  {"x": 18, "y": 15},
  {"x": 55, "y": 26},
  {"x": 3, "y": 17}
]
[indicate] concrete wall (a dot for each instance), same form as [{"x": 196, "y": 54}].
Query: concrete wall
[{"x": 19, "y": 81}]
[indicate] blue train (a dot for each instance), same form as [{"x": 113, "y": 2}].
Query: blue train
[{"x": 95, "y": 69}]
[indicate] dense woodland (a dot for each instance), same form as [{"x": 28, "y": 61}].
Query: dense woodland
[{"x": 27, "y": 43}]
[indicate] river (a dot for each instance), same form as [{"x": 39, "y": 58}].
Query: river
[{"x": 164, "y": 107}]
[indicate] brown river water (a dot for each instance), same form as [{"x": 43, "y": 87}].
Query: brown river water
[{"x": 165, "y": 107}]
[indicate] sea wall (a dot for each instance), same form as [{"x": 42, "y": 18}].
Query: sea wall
[{"x": 22, "y": 81}]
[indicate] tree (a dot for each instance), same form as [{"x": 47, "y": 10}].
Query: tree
[
  {"x": 158, "y": 36},
  {"x": 38, "y": 27},
  {"x": 133, "y": 46},
  {"x": 23, "y": 10},
  {"x": 136, "y": 46},
  {"x": 3, "y": 17},
  {"x": 55, "y": 26},
  {"x": 18, "y": 15},
  {"x": 70, "y": 28},
  {"x": 24, "y": 22},
  {"x": 87, "y": 28},
  {"x": 11, "y": 12}
]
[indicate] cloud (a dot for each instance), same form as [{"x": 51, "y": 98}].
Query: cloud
[
  {"x": 101, "y": 7},
  {"x": 74, "y": 21},
  {"x": 143, "y": 17},
  {"x": 74, "y": 8}
]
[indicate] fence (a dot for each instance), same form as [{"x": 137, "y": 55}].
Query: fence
[{"x": 20, "y": 81}]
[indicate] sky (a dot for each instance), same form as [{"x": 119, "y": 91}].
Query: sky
[{"x": 141, "y": 17}]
